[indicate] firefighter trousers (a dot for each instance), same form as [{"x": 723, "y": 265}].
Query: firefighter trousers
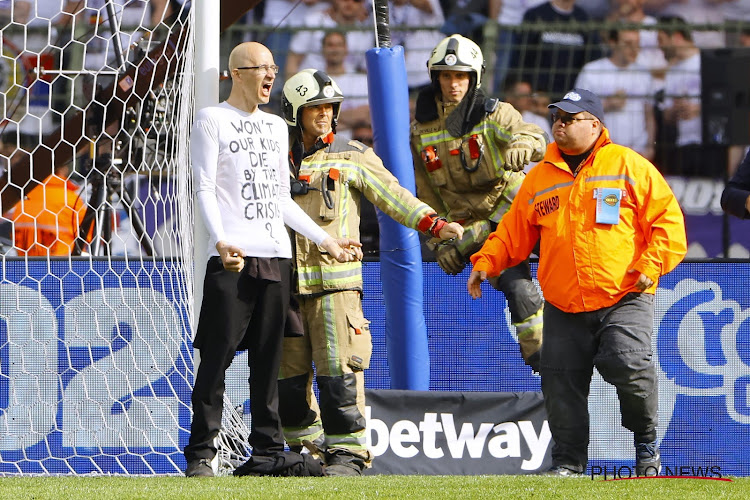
[{"x": 337, "y": 341}]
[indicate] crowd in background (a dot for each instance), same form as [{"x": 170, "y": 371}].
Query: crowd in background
[{"x": 642, "y": 56}]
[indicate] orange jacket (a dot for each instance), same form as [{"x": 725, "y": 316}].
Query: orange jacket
[
  {"x": 583, "y": 265},
  {"x": 46, "y": 222}
]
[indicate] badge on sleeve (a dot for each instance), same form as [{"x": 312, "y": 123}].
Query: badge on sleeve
[{"x": 608, "y": 205}]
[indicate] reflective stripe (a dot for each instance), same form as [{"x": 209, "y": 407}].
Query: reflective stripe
[
  {"x": 296, "y": 435},
  {"x": 597, "y": 178},
  {"x": 434, "y": 138},
  {"x": 529, "y": 325},
  {"x": 621, "y": 177},
  {"x": 332, "y": 339},
  {"x": 509, "y": 192},
  {"x": 354, "y": 441},
  {"x": 410, "y": 216},
  {"x": 36, "y": 226},
  {"x": 338, "y": 273},
  {"x": 547, "y": 190},
  {"x": 343, "y": 219},
  {"x": 488, "y": 128}
]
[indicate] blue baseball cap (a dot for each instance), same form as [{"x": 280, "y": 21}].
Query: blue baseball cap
[{"x": 578, "y": 100}]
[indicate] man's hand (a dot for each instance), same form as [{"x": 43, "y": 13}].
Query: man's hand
[
  {"x": 342, "y": 255},
  {"x": 643, "y": 283},
  {"x": 518, "y": 155},
  {"x": 354, "y": 247},
  {"x": 452, "y": 230},
  {"x": 232, "y": 257},
  {"x": 475, "y": 279}
]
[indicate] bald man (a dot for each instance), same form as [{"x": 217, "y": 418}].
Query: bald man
[{"x": 241, "y": 176}]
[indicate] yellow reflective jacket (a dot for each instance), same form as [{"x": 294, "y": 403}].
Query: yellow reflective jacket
[
  {"x": 486, "y": 192},
  {"x": 341, "y": 172},
  {"x": 583, "y": 265}
]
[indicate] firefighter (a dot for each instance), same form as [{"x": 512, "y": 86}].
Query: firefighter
[
  {"x": 469, "y": 153},
  {"x": 330, "y": 174}
]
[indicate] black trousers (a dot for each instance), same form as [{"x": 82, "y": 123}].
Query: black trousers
[
  {"x": 239, "y": 311},
  {"x": 617, "y": 341}
]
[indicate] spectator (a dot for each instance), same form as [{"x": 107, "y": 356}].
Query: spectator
[
  {"x": 100, "y": 58},
  {"x": 356, "y": 108},
  {"x": 626, "y": 89},
  {"x": 39, "y": 30},
  {"x": 241, "y": 174},
  {"x": 596, "y": 9},
  {"x": 466, "y": 17},
  {"x": 423, "y": 18},
  {"x": 508, "y": 14},
  {"x": 337, "y": 335},
  {"x": 554, "y": 46},
  {"x": 736, "y": 152},
  {"x": 693, "y": 12},
  {"x": 350, "y": 16},
  {"x": 520, "y": 95},
  {"x": 282, "y": 17},
  {"x": 45, "y": 222},
  {"x": 735, "y": 199},
  {"x": 681, "y": 107},
  {"x": 650, "y": 56},
  {"x": 609, "y": 227}
]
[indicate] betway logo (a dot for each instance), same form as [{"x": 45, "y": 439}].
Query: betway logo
[{"x": 499, "y": 440}]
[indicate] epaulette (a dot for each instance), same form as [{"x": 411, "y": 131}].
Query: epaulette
[{"x": 344, "y": 145}]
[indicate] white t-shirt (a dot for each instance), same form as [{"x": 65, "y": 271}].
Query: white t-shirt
[
  {"x": 241, "y": 175},
  {"x": 628, "y": 125},
  {"x": 684, "y": 80}
]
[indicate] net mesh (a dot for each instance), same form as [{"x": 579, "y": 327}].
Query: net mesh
[{"x": 96, "y": 233}]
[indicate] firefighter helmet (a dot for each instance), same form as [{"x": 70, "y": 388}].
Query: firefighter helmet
[
  {"x": 309, "y": 87},
  {"x": 456, "y": 53}
]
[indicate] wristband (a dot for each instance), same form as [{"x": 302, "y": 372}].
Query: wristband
[{"x": 432, "y": 224}]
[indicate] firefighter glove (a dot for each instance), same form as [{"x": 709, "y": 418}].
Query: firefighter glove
[
  {"x": 450, "y": 259},
  {"x": 518, "y": 154}
]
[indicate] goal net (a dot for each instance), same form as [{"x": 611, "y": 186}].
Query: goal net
[{"x": 96, "y": 236}]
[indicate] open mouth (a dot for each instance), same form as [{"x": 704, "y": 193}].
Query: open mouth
[{"x": 267, "y": 88}]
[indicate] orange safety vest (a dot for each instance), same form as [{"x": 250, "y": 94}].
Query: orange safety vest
[
  {"x": 583, "y": 265},
  {"x": 46, "y": 222}
]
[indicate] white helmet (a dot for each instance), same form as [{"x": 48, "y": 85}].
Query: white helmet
[
  {"x": 456, "y": 53},
  {"x": 309, "y": 87}
]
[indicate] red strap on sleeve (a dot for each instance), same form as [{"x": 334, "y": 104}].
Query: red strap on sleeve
[
  {"x": 426, "y": 223},
  {"x": 437, "y": 226}
]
